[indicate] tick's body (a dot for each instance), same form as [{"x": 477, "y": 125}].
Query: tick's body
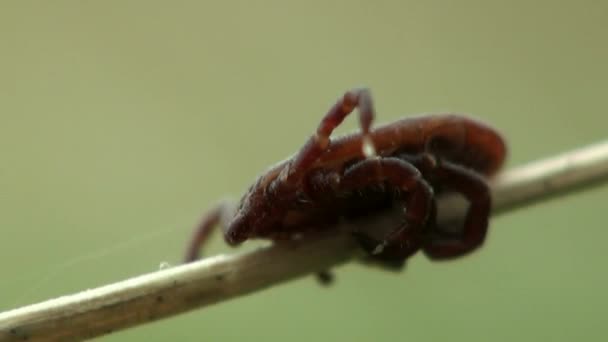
[{"x": 402, "y": 163}]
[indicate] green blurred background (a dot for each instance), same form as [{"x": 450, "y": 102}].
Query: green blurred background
[{"x": 122, "y": 121}]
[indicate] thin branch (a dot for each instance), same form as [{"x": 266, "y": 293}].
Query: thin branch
[{"x": 169, "y": 292}]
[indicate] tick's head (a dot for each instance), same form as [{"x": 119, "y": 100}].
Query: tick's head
[
  {"x": 250, "y": 217},
  {"x": 237, "y": 231}
]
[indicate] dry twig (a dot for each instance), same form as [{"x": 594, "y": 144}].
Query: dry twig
[{"x": 168, "y": 292}]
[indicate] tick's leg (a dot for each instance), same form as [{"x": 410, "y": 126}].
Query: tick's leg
[
  {"x": 319, "y": 142},
  {"x": 444, "y": 244},
  {"x": 219, "y": 215},
  {"x": 417, "y": 198},
  {"x": 325, "y": 277}
]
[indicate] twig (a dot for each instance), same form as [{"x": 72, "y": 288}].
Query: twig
[{"x": 168, "y": 292}]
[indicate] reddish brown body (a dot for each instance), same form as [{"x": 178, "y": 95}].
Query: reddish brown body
[
  {"x": 407, "y": 162},
  {"x": 471, "y": 142}
]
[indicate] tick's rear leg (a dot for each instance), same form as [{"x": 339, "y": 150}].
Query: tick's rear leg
[
  {"x": 417, "y": 198},
  {"x": 444, "y": 244},
  {"x": 219, "y": 215},
  {"x": 319, "y": 141}
]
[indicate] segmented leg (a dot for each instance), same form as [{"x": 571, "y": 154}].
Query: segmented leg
[
  {"x": 415, "y": 193},
  {"x": 319, "y": 142},
  {"x": 219, "y": 215},
  {"x": 443, "y": 244}
]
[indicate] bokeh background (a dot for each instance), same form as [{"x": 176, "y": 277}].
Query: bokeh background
[{"x": 122, "y": 121}]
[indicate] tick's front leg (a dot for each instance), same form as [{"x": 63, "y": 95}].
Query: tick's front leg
[
  {"x": 219, "y": 215},
  {"x": 320, "y": 140}
]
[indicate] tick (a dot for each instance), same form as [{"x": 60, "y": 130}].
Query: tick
[{"x": 404, "y": 164}]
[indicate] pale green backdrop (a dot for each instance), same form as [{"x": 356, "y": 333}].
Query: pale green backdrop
[{"x": 121, "y": 121}]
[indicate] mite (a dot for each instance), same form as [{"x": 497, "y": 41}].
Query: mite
[{"x": 404, "y": 164}]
